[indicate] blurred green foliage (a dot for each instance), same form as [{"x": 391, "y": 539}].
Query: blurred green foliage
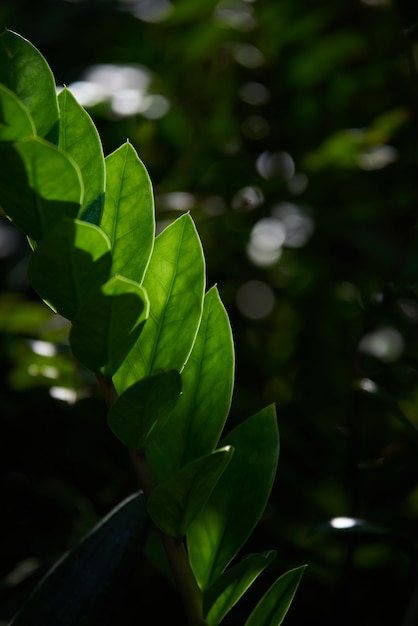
[{"x": 289, "y": 131}]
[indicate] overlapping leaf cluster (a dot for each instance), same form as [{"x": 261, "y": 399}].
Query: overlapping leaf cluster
[{"x": 143, "y": 322}]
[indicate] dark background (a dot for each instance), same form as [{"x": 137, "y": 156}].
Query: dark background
[{"x": 303, "y": 113}]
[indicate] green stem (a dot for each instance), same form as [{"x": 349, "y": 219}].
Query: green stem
[{"x": 188, "y": 589}]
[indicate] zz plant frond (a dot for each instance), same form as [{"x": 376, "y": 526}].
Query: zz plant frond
[{"x": 159, "y": 342}]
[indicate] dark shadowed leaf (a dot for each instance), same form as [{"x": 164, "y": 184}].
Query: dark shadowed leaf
[
  {"x": 15, "y": 120},
  {"x": 69, "y": 263},
  {"x": 39, "y": 185},
  {"x": 74, "y": 586},
  {"x": 174, "y": 503},
  {"x": 108, "y": 323},
  {"x": 149, "y": 401}
]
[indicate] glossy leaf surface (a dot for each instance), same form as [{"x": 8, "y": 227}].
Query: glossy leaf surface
[
  {"x": 39, "y": 185},
  {"x": 174, "y": 503},
  {"x": 238, "y": 499},
  {"x": 69, "y": 264},
  {"x": 149, "y": 401},
  {"x": 175, "y": 282},
  {"x": 69, "y": 592},
  {"x": 128, "y": 217},
  {"x": 273, "y": 606},
  {"x": 208, "y": 377},
  {"x": 79, "y": 138},
  {"x": 24, "y": 71},
  {"x": 15, "y": 120},
  {"x": 232, "y": 584},
  {"x": 107, "y": 324}
]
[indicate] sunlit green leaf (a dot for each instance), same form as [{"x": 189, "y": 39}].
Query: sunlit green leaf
[
  {"x": 175, "y": 282},
  {"x": 15, "y": 120},
  {"x": 24, "y": 71},
  {"x": 239, "y": 498},
  {"x": 108, "y": 323},
  {"x": 69, "y": 263},
  {"x": 78, "y": 137},
  {"x": 273, "y": 606},
  {"x": 174, "y": 503},
  {"x": 39, "y": 185},
  {"x": 140, "y": 407},
  {"x": 232, "y": 584},
  {"x": 71, "y": 589},
  {"x": 128, "y": 217},
  {"x": 200, "y": 414}
]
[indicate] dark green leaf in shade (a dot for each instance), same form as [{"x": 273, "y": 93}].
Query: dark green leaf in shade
[
  {"x": 79, "y": 138},
  {"x": 149, "y": 401},
  {"x": 238, "y": 500},
  {"x": 69, "y": 263},
  {"x": 108, "y": 323},
  {"x": 128, "y": 217},
  {"x": 39, "y": 185},
  {"x": 15, "y": 120},
  {"x": 174, "y": 503},
  {"x": 232, "y": 584},
  {"x": 198, "y": 419},
  {"x": 75, "y": 585},
  {"x": 24, "y": 71},
  {"x": 273, "y": 606},
  {"x": 175, "y": 282}
]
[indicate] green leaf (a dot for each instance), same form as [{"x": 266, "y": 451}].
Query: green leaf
[
  {"x": 24, "y": 71},
  {"x": 69, "y": 263},
  {"x": 108, "y": 323},
  {"x": 174, "y": 503},
  {"x": 149, "y": 401},
  {"x": 208, "y": 377},
  {"x": 15, "y": 120},
  {"x": 74, "y": 585},
  {"x": 79, "y": 138},
  {"x": 128, "y": 217},
  {"x": 239, "y": 499},
  {"x": 273, "y": 606},
  {"x": 175, "y": 282},
  {"x": 39, "y": 185},
  {"x": 232, "y": 584}
]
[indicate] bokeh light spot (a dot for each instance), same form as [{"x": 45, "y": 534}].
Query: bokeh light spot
[
  {"x": 385, "y": 344},
  {"x": 255, "y": 299}
]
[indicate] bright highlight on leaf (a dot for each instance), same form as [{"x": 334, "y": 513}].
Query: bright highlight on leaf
[
  {"x": 238, "y": 500},
  {"x": 208, "y": 377},
  {"x": 128, "y": 217},
  {"x": 78, "y": 137},
  {"x": 24, "y": 71},
  {"x": 175, "y": 282}
]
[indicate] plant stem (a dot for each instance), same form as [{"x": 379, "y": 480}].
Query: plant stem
[{"x": 188, "y": 589}]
